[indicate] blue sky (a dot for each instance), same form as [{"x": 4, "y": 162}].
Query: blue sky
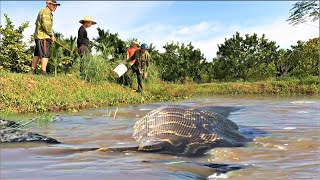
[{"x": 204, "y": 23}]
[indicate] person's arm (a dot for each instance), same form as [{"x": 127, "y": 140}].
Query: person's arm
[
  {"x": 133, "y": 57},
  {"x": 127, "y": 54},
  {"x": 46, "y": 23},
  {"x": 148, "y": 62},
  {"x": 80, "y": 35},
  {"x": 85, "y": 38}
]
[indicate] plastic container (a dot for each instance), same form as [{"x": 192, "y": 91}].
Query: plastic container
[{"x": 120, "y": 70}]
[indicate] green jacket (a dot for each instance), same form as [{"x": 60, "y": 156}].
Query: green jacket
[
  {"x": 44, "y": 24},
  {"x": 142, "y": 62}
]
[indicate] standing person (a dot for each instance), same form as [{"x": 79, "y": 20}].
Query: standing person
[
  {"x": 141, "y": 60},
  {"x": 132, "y": 49},
  {"x": 130, "y": 53},
  {"x": 43, "y": 36},
  {"x": 83, "y": 42}
]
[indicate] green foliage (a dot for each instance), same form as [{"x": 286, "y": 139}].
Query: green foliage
[
  {"x": 263, "y": 71},
  {"x": 153, "y": 75},
  {"x": 14, "y": 54},
  {"x": 240, "y": 58},
  {"x": 129, "y": 41},
  {"x": 22, "y": 93},
  {"x": 248, "y": 58},
  {"x": 306, "y": 80},
  {"x": 109, "y": 45},
  {"x": 207, "y": 73},
  {"x": 180, "y": 62},
  {"x": 95, "y": 68},
  {"x": 283, "y": 64},
  {"x": 306, "y": 56},
  {"x": 303, "y": 10},
  {"x": 62, "y": 60}
]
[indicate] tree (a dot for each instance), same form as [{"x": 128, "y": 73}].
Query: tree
[
  {"x": 14, "y": 53},
  {"x": 284, "y": 64},
  {"x": 303, "y": 10},
  {"x": 305, "y": 56},
  {"x": 246, "y": 58},
  {"x": 129, "y": 42},
  {"x": 109, "y": 45},
  {"x": 180, "y": 62},
  {"x": 153, "y": 52}
]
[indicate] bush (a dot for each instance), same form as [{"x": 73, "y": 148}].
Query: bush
[
  {"x": 62, "y": 60},
  {"x": 95, "y": 69},
  {"x": 245, "y": 58},
  {"x": 262, "y": 72},
  {"x": 14, "y": 53},
  {"x": 180, "y": 62}
]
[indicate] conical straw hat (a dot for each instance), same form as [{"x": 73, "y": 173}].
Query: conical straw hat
[{"x": 87, "y": 18}]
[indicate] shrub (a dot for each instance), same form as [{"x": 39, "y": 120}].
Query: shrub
[{"x": 14, "y": 53}]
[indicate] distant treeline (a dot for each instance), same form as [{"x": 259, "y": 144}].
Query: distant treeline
[{"x": 239, "y": 58}]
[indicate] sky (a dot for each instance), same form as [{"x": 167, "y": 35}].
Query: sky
[{"x": 204, "y": 23}]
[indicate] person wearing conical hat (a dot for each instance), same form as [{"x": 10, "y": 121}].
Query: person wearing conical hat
[{"x": 83, "y": 43}]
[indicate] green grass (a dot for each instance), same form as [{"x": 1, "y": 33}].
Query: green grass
[{"x": 22, "y": 93}]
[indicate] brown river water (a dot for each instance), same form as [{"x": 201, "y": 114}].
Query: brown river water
[{"x": 288, "y": 146}]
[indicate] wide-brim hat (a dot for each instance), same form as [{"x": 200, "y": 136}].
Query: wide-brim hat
[
  {"x": 135, "y": 42},
  {"x": 53, "y": 2},
  {"x": 87, "y": 18}
]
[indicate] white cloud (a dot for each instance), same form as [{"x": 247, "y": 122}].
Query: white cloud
[
  {"x": 277, "y": 30},
  {"x": 113, "y": 15},
  {"x": 284, "y": 34},
  {"x": 197, "y": 28},
  {"x": 131, "y": 20}
]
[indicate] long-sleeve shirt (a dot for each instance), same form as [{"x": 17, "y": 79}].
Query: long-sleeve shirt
[
  {"x": 44, "y": 24},
  {"x": 142, "y": 61},
  {"x": 82, "y": 37}
]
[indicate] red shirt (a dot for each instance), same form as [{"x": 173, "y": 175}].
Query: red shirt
[{"x": 131, "y": 51}]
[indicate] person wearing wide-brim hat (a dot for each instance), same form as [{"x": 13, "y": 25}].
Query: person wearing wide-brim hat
[{"x": 83, "y": 43}]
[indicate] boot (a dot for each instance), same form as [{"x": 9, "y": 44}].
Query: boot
[
  {"x": 43, "y": 72},
  {"x": 32, "y": 71}
]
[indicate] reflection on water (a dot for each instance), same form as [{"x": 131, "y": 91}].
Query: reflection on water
[{"x": 287, "y": 146}]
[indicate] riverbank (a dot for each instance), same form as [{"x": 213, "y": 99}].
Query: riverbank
[{"x": 22, "y": 93}]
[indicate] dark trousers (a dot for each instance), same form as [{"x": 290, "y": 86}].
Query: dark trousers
[
  {"x": 82, "y": 50},
  {"x": 140, "y": 79}
]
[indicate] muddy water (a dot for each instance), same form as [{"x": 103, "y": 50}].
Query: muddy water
[{"x": 288, "y": 148}]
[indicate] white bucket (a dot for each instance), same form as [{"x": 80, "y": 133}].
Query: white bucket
[{"x": 120, "y": 70}]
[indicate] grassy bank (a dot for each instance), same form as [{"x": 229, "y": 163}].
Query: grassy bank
[{"x": 20, "y": 93}]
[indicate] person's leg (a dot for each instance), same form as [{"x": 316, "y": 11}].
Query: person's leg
[
  {"x": 44, "y": 63},
  {"x": 128, "y": 76},
  {"x": 46, "y": 52},
  {"x": 140, "y": 82},
  {"x": 81, "y": 66},
  {"x": 34, "y": 63},
  {"x": 35, "y": 58},
  {"x": 83, "y": 51}
]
